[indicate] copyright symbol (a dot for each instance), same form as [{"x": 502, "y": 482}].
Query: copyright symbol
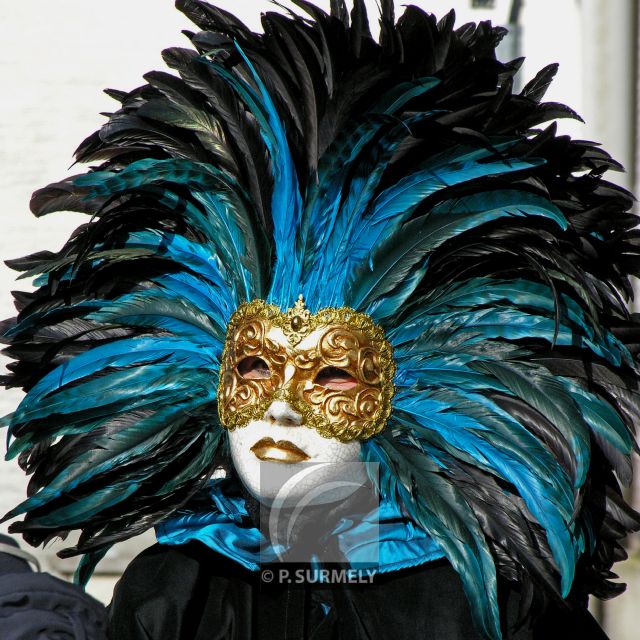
[{"x": 267, "y": 576}]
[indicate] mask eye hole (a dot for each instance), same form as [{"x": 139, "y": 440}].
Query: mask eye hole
[
  {"x": 335, "y": 379},
  {"x": 253, "y": 368}
]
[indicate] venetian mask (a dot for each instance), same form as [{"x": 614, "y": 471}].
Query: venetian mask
[
  {"x": 298, "y": 392},
  {"x": 333, "y": 368}
]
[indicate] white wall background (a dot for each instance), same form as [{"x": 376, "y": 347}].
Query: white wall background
[{"x": 56, "y": 57}]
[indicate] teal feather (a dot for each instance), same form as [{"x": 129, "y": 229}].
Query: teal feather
[
  {"x": 413, "y": 479},
  {"x": 602, "y": 419},
  {"x": 328, "y": 206},
  {"x": 335, "y": 248},
  {"x": 548, "y": 494},
  {"x": 123, "y": 254},
  {"x": 496, "y": 202},
  {"x": 325, "y": 195},
  {"x": 547, "y": 394},
  {"x": 86, "y": 566},
  {"x": 73, "y": 514},
  {"x": 286, "y": 202},
  {"x": 413, "y": 189},
  {"x": 225, "y": 220},
  {"x": 192, "y": 256},
  {"x": 150, "y": 388},
  {"x": 200, "y": 294},
  {"x": 506, "y": 323},
  {"x": 410, "y": 246},
  {"x": 397, "y": 97},
  {"x": 490, "y": 250},
  {"x": 152, "y": 308},
  {"x": 122, "y": 353},
  {"x": 110, "y": 450}
]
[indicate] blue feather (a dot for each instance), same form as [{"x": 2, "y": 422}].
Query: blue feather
[
  {"x": 198, "y": 258},
  {"x": 155, "y": 308},
  {"x": 436, "y": 506},
  {"x": 508, "y": 323},
  {"x": 286, "y": 202},
  {"x": 547, "y": 491},
  {"x": 347, "y": 211},
  {"x": 405, "y": 250},
  {"x": 120, "y": 353},
  {"x": 224, "y": 221},
  {"x": 396, "y": 98}
]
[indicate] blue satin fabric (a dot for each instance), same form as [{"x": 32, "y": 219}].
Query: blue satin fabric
[{"x": 384, "y": 534}]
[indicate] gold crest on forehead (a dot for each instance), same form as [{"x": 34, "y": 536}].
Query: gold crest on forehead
[{"x": 270, "y": 355}]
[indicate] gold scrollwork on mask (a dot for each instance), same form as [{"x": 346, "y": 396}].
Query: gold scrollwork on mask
[{"x": 294, "y": 349}]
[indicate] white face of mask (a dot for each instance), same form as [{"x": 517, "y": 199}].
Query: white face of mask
[{"x": 279, "y": 459}]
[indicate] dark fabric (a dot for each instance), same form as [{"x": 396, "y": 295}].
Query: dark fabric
[
  {"x": 182, "y": 592},
  {"x": 37, "y": 606},
  {"x": 191, "y": 593},
  {"x": 10, "y": 563}
]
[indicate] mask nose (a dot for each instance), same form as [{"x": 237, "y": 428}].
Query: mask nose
[
  {"x": 294, "y": 384},
  {"x": 282, "y": 413}
]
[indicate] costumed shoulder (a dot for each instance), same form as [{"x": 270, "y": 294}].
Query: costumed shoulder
[{"x": 189, "y": 591}]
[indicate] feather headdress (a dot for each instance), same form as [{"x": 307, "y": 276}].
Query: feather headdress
[{"x": 402, "y": 178}]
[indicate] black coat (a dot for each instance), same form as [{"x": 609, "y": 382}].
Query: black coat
[
  {"x": 189, "y": 592},
  {"x": 37, "y": 606}
]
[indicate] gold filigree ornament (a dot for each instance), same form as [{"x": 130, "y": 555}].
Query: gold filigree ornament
[{"x": 270, "y": 355}]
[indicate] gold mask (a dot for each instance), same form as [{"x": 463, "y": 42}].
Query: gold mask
[{"x": 334, "y": 367}]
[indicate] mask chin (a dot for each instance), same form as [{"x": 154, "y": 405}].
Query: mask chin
[{"x": 331, "y": 473}]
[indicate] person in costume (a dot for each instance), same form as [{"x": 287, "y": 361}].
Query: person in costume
[
  {"x": 34, "y": 605},
  {"x": 309, "y": 249}
]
